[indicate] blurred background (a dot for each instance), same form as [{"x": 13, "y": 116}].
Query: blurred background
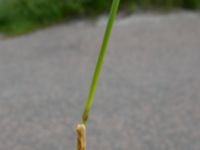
[
  {"x": 148, "y": 95},
  {"x": 18, "y": 16}
]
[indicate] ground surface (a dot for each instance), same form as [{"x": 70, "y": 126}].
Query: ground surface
[{"x": 148, "y": 96}]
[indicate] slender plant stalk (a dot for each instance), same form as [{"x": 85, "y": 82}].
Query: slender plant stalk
[
  {"x": 81, "y": 128},
  {"x": 100, "y": 60}
]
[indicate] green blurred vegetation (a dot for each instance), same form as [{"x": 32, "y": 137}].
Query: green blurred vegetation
[{"x": 19, "y": 16}]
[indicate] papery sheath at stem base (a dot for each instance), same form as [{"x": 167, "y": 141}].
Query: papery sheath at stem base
[{"x": 81, "y": 137}]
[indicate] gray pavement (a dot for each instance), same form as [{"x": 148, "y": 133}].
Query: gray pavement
[{"x": 148, "y": 96}]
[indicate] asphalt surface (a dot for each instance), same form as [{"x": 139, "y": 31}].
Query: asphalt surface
[{"x": 148, "y": 96}]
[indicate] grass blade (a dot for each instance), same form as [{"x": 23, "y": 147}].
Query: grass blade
[{"x": 100, "y": 60}]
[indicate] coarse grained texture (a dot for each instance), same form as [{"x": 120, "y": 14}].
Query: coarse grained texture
[{"x": 147, "y": 97}]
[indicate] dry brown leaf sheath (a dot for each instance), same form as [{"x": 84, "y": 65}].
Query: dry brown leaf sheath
[{"x": 81, "y": 137}]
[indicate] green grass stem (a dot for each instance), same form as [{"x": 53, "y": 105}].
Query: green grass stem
[{"x": 100, "y": 60}]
